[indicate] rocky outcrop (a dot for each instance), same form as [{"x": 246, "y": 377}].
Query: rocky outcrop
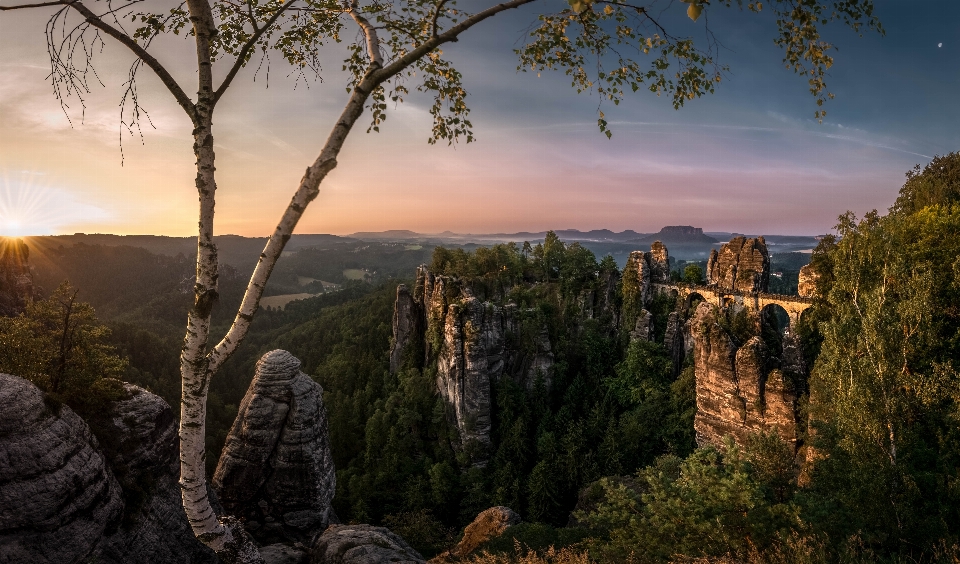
[
  {"x": 740, "y": 390},
  {"x": 139, "y": 436},
  {"x": 489, "y": 524},
  {"x": 659, "y": 261},
  {"x": 276, "y": 470},
  {"x": 643, "y": 330},
  {"x": 473, "y": 344},
  {"x": 16, "y": 281},
  {"x": 67, "y": 497},
  {"x": 807, "y": 285},
  {"x": 361, "y": 544},
  {"x": 643, "y": 269},
  {"x": 407, "y": 329},
  {"x": 58, "y": 497},
  {"x": 674, "y": 340},
  {"x": 471, "y": 357},
  {"x": 741, "y": 265}
]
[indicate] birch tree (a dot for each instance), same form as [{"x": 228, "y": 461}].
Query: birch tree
[{"x": 606, "y": 47}]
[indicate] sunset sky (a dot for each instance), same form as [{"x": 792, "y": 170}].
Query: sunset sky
[{"x": 750, "y": 158}]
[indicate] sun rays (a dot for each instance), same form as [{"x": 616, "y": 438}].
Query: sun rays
[{"x": 29, "y": 205}]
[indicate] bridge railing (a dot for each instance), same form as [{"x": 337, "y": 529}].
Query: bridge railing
[{"x": 718, "y": 291}]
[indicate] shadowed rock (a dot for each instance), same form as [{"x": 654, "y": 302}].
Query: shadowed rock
[
  {"x": 140, "y": 440},
  {"x": 362, "y": 544},
  {"x": 643, "y": 330},
  {"x": 57, "y": 494},
  {"x": 16, "y": 281},
  {"x": 276, "y": 469},
  {"x": 407, "y": 328}
]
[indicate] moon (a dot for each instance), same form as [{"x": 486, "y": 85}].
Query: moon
[{"x": 939, "y": 44}]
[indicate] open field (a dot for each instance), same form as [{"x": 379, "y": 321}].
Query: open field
[
  {"x": 281, "y": 301},
  {"x": 354, "y": 274}
]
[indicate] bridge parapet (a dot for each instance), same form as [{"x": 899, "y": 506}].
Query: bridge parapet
[{"x": 721, "y": 297}]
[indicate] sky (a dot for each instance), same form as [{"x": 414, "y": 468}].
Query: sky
[{"x": 749, "y": 158}]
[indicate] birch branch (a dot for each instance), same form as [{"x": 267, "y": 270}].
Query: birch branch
[
  {"x": 310, "y": 183},
  {"x": 247, "y": 47},
  {"x": 165, "y": 77},
  {"x": 370, "y": 33}
]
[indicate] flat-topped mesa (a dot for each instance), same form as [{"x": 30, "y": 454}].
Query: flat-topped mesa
[
  {"x": 741, "y": 265},
  {"x": 276, "y": 470},
  {"x": 740, "y": 390},
  {"x": 16, "y": 281}
]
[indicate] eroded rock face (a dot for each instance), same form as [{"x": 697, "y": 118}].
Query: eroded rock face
[
  {"x": 407, "y": 327},
  {"x": 647, "y": 268},
  {"x": 140, "y": 440},
  {"x": 643, "y": 330},
  {"x": 489, "y": 524},
  {"x": 742, "y": 265},
  {"x": 362, "y": 544},
  {"x": 473, "y": 343},
  {"x": 674, "y": 340},
  {"x": 739, "y": 390},
  {"x": 471, "y": 357},
  {"x": 16, "y": 281},
  {"x": 67, "y": 497},
  {"x": 659, "y": 260},
  {"x": 58, "y": 496},
  {"x": 276, "y": 469},
  {"x": 807, "y": 285}
]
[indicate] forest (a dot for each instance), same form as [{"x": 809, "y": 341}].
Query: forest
[{"x": 601, "y": 461}]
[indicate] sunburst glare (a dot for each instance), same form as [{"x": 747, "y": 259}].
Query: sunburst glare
[{"x": 30, "y": 206}]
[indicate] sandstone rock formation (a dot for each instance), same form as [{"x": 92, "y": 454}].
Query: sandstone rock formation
[
  {"x": 643, "y": 330},
  {"x": 139, "y": 437},
  {"x": 361, "y": 544},
  {"x": 674, "y": 340},
  {"x": 474, "y": 343},
  {"x": 489, "y": 524},
  {"x": 57, "y": 494},
  {"x": 407, "y": 327},
  {"x": 67, "y": 497},
  {"x": 807, "y": 285},
  {"x": 16, "y": 281},
  {"x": 742, "y": 265},
  {"x": 739, "y": 389},
  {"x": 276, "y": 470}
]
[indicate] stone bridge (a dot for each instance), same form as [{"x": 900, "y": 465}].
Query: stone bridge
[{"x": 724, "y": 298}]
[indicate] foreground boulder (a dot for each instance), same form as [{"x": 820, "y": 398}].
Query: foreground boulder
[
  {"x": 139, "y": 438},
  {"x": 57, "y": 494},
  {"x": 362, "y": 544},
  {"x": 67, "y": 497},
  {"x": 276, "y": 470},
  {"x": 489, "y": 524}
]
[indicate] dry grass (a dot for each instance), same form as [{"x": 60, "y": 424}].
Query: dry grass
[{"x": 549, "y": 556}]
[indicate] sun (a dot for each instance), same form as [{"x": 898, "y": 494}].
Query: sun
[{"x": 27, "y": 206}]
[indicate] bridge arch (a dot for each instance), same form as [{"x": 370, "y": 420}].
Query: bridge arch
[{"x": 775, "y": 316}]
